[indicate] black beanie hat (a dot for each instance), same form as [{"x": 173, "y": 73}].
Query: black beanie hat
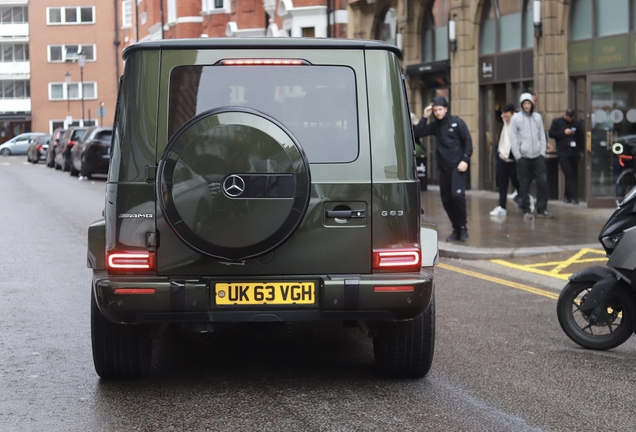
[{"x": 440, "y": 101}]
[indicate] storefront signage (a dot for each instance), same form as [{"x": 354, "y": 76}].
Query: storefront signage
[
  {"x": 617, "y": 52},
  {"x": 580, "y": 56},
  {"x": 611, "y": 53},
  {"x": 487, "y": 69}
]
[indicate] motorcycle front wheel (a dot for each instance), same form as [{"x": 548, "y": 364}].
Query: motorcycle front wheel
[{"x": 613, "y": 328}]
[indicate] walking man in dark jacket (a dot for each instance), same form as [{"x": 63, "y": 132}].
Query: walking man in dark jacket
[
  {"x": 568, "y": 134},
  {"x": 454, "y": 148}
]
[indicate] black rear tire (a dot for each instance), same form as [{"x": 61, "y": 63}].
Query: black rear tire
[
  {"x": 120, "y": 351},
  {"x": 405, "y": 348},
  {"x": 601, "y": 336}
]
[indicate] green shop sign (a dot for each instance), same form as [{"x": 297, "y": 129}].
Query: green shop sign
[
  {"x": 580, "y": 56},
  {"x": 617, "y": 52},
  {"x": 611, "y": 53}
]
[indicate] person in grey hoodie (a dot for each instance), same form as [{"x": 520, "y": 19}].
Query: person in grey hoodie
[{"x": 528, "y": 146}]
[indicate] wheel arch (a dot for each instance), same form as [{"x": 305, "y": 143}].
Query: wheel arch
[{"x": 97, "y": 245}]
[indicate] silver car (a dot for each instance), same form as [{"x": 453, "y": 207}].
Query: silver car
[{"x": 19, "y": 144}]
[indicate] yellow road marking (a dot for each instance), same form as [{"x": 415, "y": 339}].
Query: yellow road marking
[
  {"x": 500, "y": 281},
  {"x": 558, "y": 266}
]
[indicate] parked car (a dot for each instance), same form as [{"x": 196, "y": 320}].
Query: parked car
[
  {"x": 38, "y": 148},
  {"x": 63, "y": 151},
  {"x": 19, "y": 145},
  {"x": 92, "y": 154},
  {"x": 262, "y": 180},
  {"x": 55, "y": 140}
]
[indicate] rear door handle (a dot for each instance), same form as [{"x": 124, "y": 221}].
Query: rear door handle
[{"x": 345, "y": 214}]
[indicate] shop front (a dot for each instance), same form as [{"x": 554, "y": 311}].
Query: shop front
[
  {"x": 506, "y": 71},
  {"x": 602, "y": 69}
]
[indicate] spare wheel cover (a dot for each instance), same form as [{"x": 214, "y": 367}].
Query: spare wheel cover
[{"x": 233, "y": 183}]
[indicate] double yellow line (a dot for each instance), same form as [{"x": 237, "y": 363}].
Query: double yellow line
[{"x": 500, "y": 281}]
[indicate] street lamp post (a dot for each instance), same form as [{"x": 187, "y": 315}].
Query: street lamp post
[
  {"x": 69, "y": 118},
  {"x": 81, "y": 58}
]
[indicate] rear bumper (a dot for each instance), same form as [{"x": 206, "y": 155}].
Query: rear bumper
[{"x": 339, "y": 297}]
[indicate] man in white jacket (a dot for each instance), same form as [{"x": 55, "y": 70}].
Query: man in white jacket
[
  {"x": 528, "y": 145},
  {"x": 506, "y": 164}
]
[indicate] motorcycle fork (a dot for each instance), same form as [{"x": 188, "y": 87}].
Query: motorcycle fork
[{"x": 595, "y": 304}]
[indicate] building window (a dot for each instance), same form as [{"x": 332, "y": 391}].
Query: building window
[
  {"x": 211, "y": 5},
  {"x": 596, "y": 18},
  {"x": 70, "y": 15},
  {"x": 612, "y": 17},
  {"x": 17, "y": 52},
  {"x": 126, "y": 14},
  {"x": 308, "y": 31},
  {"x": 506, "y": 26},
  {"x": 67, "y": 53},
  {"x": 72, "y": 91},
  {"x": 387, "y": 27},
  {"x": 435, "y": 32},
  {"x": 14, "y": 89},
  {"x": 13, "y": 15}
]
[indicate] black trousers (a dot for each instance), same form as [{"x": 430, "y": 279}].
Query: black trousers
[
  {"x": 506, "y": 171},
  {"x": 528, "y": 170},
  {"x": 452, "y": 189},
  {"x": 570, "y": 168}
]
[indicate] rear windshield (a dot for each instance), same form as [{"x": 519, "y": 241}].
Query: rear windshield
[
  {"x": 77, "y": 134},
  {"x": 316, "y": 103},
  {"x": 106, "y": 135}
]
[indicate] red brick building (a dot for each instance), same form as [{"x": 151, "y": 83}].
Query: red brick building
[
  {"x": 60, "y": 31},
  {"x": 62, "y": 90}
]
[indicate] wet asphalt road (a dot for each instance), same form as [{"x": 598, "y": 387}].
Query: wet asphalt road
[{"x": 501, "y": 361}]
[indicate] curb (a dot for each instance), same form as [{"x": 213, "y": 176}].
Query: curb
[{"x": 450, "y": 250}]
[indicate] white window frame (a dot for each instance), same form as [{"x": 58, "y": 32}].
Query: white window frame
[
  {"x": 26, "y": 51},
  {"x": 208, "y": 7},
  {"x": 63, "y": 15},
  {"x": 126, "y": 14},
  {"x": 27, "y": 89},
  {"x": 65, "y": 90},
  {"x": 24, "y": 13},
  {"x": 66, "y": 58}
]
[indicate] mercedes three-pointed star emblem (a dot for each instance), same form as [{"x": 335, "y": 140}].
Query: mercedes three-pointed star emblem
[{"x": 233, "y": 186}]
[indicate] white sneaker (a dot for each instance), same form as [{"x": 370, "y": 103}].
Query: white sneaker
[
  {"x": 498, "y": 211},
  {"x": 513, "y": 195},
  {"x": 82, "y": 178},
  {"x": 532, "y": 201}
]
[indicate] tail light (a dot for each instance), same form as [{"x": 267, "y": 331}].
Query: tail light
[
  {"x": 392, "y": 289},
  {"x": 135, "y": 291},
  {"x": 137, "y": 261},
  {"x": 71, "y": 143},
  {"x": 40, "y": 147},
  {"x": 263, "y": 62},
  {"x": 404, "y": 259}
]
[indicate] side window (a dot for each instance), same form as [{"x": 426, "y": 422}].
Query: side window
[
  {"x": 115, "y": 154},
  {"x": 408, "y": 111}
]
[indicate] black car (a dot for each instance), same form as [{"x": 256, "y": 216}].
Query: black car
[
  {"x": 63, "y": 151},
  {"x": 55, "y": 140},
  {"x": 277, "y": 187},
  {"x": 38, "y": 148},
  {"x": 92, "y": 154}
]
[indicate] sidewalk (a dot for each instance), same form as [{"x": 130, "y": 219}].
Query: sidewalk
[{"x": 573, "y": 227}]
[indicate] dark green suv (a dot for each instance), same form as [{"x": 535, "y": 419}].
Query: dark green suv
[{"x": 262, "y": 180}]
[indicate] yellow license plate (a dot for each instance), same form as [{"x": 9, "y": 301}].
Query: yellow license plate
[{"x": 261, "y": 293}]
